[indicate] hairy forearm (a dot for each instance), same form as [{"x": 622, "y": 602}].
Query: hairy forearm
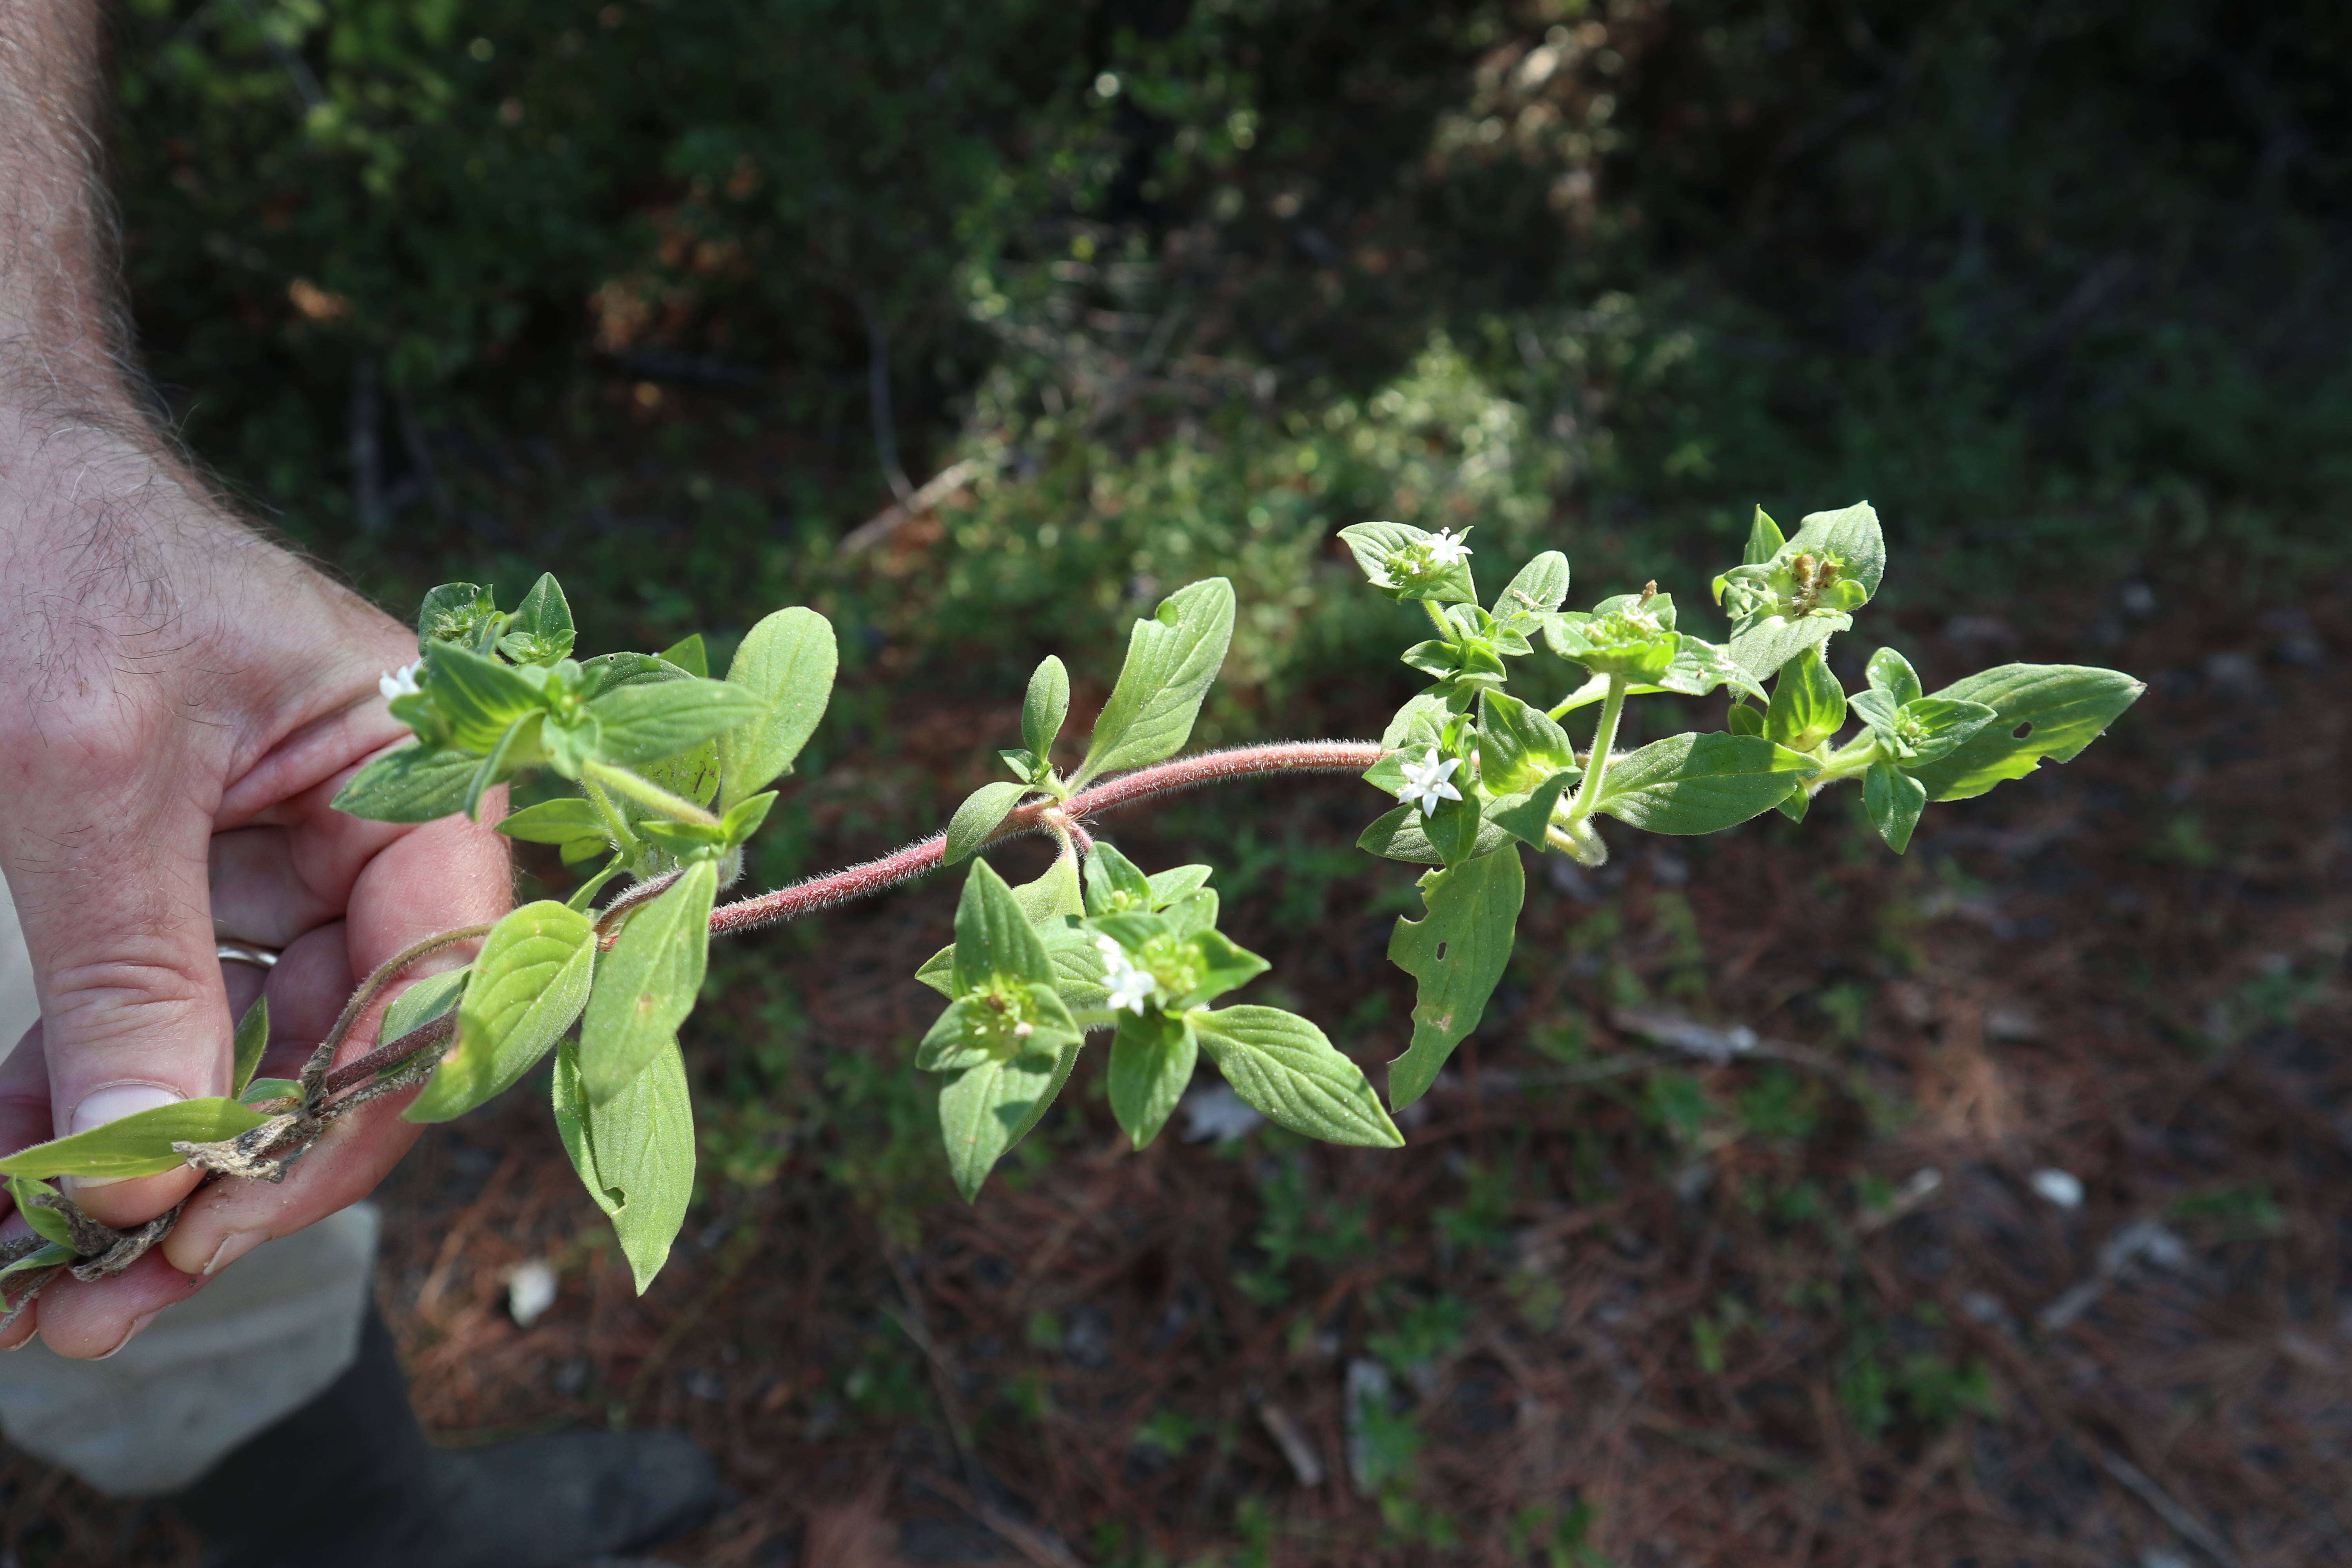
[{"x": 58, "y": 295}]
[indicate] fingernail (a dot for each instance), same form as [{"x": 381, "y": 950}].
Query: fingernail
[
  {"x": 130, "y": 1333},
  {"x": 112, "y": 1104},
  {"x": 234, "y": 1246}
]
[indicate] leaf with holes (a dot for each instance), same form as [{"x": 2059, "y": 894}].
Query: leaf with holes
[
  {"x": 1457, "y": 952},
  {"x": 2039, "y": 711}
]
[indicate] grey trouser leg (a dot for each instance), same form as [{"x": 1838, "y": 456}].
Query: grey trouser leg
[{"x": 259, "y": 1342}]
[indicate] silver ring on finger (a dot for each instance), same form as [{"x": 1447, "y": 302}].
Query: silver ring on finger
[{"x": 251, "y": 952}]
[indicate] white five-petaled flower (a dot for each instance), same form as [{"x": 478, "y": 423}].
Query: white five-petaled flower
[
  {"x": 401, "y": 682},
  {"x": 1130, "y": 987},
  {"x": 1447, "y": 547},
  {"x": 1425, "y": 782}
]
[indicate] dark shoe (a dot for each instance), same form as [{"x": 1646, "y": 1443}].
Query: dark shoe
[{"x": 348, "y": 1481}]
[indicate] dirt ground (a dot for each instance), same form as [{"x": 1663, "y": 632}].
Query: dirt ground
[{"x": 1812, "y": 1304}]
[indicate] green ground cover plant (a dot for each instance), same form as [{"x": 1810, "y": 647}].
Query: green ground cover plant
[{"x": 672, "y": 770}]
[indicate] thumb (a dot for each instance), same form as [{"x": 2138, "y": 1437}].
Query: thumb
[{"x": 111, "y": 889}]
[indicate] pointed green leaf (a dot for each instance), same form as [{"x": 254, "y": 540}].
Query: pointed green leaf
[
  {"x": 1376, "y": 547},
  {"x": 453, "y": 611},
  {"x": 993, "y": 939},
  {"x": 1807, "y": 704},
  {"x": 1056, "y": 893},
  {"x": 412, "y": 783},
  {"x": 35, "y": 1200},
  {"x": 421, "y": 1002},
  {"x": 1457, "y": 953},
  {"x": 1222, "y": 966},
  {"x": 542, "y": 631},
  {"x": 787, "y": 661},
  {"x": 1045, "y": 706},
  {"x": 634, "y": 1152},
  {"x": 1764, "y": 540},
  {"x": 481, "y": 697},
  {"x": 611, "y": 671},
  {"x": 528, "y": 984},
  {"x": 1894, "y": 800},
  {"x": 1403, "y": 834},
  {"x": 564, "y": 821},
  {"x": 1743, "y": 719},
  {"x": 1699, "y": 667},
  {"x": 1528, "y": 817},
  {"x": 1890, "y": 672},
  {"x": 1540, "y": 588},
  {"x": 988, "y": 1106},
  {"x": 648, "y": 723},
  {"x": 262, "y": 1090},
  {"x": 49, "y": 1254},
  {"x": 646, "y": 984},
  {"x": 982, "y": 813},
  {"x": 139, "y": 1144},
  {"x": 1114, "y": 884},
  {"x": 1698, "y": 784},
  {"x": 514, "y": 748},
  {"x": 1173, "y": 657},
  {"x": 1282, "y": 1064},
  {"x": 2059, "y": 707},
  {"x": 1151, "y": 1059},
  {"x": 1175, "y": 883},
  {"x": 1518, "y": 747},
  {"x": 252, "y": 1039},
  {"x": 688, "y": 654}
]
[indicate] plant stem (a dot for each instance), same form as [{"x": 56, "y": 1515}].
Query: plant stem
[
  {"x": 614, "y": 823},
  {"x": 1144, "y": 784},
  {"x": 644, "y": 792},
  {"x": 1437, "y": 618},
  {"x": 1604, "y": 736}
]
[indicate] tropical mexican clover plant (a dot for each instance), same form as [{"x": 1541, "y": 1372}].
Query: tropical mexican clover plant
[{"x": 670, "y": 769}]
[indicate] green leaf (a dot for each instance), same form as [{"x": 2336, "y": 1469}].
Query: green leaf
[
  {"x": 1922, "y": 730},
  {"x": 1742, "y": 720},
  {"x": 542, "y": 631},
  {"x": 1172, "y": 884},
  {"x": 1698, "y": 784},
  {"x": 452, "y": 612},
  {"x": 1528, "y": 817},
  {"x": 692, "y": 775},
  {"x": 1056, "y": 893},
  {"x": 1699, "y": 667},
  {"x": 993, "y": 935},
  {"x": 528, "y": 984},
  {"x": 1000, "y": 1019},
  {"x": 2061, "y": 708},
  {"x": 646, "y": 984},
  {"x": 1114, "y": 885},
  {"x": 564, "y": 821},
  {"x": 649, "y": 722},
  {"x": 1767, "y": 644},
  {"x": 1518, "y": 747},
  {"x": 1894, "y": 800},
  {"x": 1539, "y": 589},
  {"x": 1045, "y": 706},
  {"x": 1151, "y": 1059},
  {"x": 1378, "y": 547},
  {"x": 1851, "y": 536},
  {"x": 421, "y": 1002},
  {"x": 1403, "y": 834},
  {"x": 480, "y": 697},
  {"x": 688, "y": 654},
  {"x": 1282, "y": 1064},
  {"x": 744, "y": 818},
  {"x": 262, "y": 1090},
  {"x": 1173, "y": 657},
  {"x": 410, "y": 784},
  {"x": 1220, "y": 965},
  {"x": 571, "y": 744},
  {"x": 139, "y": 1144},
  {"x": 634, "y": 1152},
  {"x": 1807, "y": 704},
  {"x": 1195, "y": 912},
  {"x": 1457, "y": 828},
  {"x": 252, "y": 1039},
  {"x": 519, "y": 743},
  {"x": 36, "y": 1201},
  {"x": 982, "y": 813},
  {"x": 1764, "y": 540},
  {"x": 1890, "y": 672},
  {"x": 49, "y": 1254},
  {"x": 986, "y": 1107},
  {"x": 611, "y": 671},
  {"x": 787, "y": 662},
  {"x": 1457, "y": 953}
]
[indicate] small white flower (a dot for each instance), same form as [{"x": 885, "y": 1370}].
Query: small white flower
[
  {"x": 1447, "y": 547},
  {"x": 401, "y": 682},
  {"x": 1130, "y": 987},
  {"x": 1424, "y": 781}
]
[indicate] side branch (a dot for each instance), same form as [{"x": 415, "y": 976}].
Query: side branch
[{"x": 1144, "y": 784}]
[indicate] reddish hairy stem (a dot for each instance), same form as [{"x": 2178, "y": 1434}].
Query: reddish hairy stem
[{"x": 1144, "y": 784}]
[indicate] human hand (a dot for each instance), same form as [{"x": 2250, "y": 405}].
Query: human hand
[{"x": 179, "y": 701}]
